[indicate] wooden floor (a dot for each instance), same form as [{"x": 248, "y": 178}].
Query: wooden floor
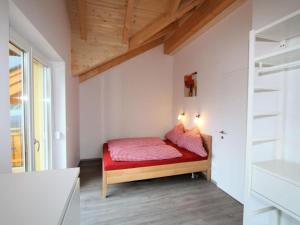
[{"x": 165, "y": 201}]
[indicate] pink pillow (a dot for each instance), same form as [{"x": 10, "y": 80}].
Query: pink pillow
[
  {"x": 193, "y": 131},
  {"x": 192, "y": 142},
  {"x": 174, "y": 134}
]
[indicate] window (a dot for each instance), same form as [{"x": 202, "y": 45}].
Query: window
[
  {"x": 30, "y": 111},
  {"x": 41, "y": 113},
  {"x": 17, "y": 109}
]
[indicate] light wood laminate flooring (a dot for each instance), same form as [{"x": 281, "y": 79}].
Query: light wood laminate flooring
[{"x": 163, "y": 201}]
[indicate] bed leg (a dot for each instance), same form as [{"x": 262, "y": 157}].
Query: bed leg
[
  {"x": 104, "y": 190},
  {"x": 208, "y": 175},
  {"x": 193, "y": 175},
  {"x": 104, "y": 184}
]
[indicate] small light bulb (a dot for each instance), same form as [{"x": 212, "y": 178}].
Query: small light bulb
[
  {"x": 197, "y": 118},
  {"x": 180, "y": 116}
]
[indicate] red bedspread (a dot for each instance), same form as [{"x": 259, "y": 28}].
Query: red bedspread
[{"x": 109, "y": 164}]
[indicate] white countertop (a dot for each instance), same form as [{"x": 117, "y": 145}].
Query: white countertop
[{"x": 38, "y": 198}]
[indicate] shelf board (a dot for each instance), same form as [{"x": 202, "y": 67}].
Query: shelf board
[
  {"x": 263, "y": 210},
  {"x": 286, "y": 55},
  {"x": 264, "y": 90},
  {"x": 261, "y": 39},
  {"x": 289, "y": 171},
  {"x": 282, "y": 67},
  {"x": 283, "y": 29},
  {"x": 263, "y": 141},
  {"x": 265, "y": 115}
]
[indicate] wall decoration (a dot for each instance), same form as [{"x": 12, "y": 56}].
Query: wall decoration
[{"x": 190, "y": 85}]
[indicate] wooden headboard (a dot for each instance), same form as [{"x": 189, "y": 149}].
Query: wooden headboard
[{"x": 207, "y": 142}]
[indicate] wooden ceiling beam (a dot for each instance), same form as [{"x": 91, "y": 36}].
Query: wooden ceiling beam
[
  {"x": 14, "y": 90},
  {"x": 119, "y": 59},
  {"x": 160, "y": 23},
  {"x": 15, "y": 80},
  {"x": 164, "y": 32},
  {"x": 82, "y": 19},
  {"x": 150, "y": 43},
  {"x": 201, "y": 17},
  {"x": 174, "y": 4},
  {"x": 128, "y": 20},
  {"x": 14, "y": 72}
]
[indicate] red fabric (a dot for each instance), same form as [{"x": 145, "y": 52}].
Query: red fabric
[{"x": 187, "y": 156}]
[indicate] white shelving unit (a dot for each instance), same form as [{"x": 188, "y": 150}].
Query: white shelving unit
[{"x": 272, "y": 184}]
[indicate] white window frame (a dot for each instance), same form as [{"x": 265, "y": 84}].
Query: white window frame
[{"x": 30, "y": 53}]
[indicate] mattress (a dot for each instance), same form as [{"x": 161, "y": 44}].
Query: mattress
[{"x": 187, "y": 156}]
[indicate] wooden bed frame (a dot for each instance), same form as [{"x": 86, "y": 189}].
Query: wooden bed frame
[{"x": 148, "y": 172}]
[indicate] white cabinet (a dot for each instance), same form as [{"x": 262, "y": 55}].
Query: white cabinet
[
  {"x": 40, "y": 198},
  {"x": 72, "y": 214},
  {"x": 278, "y": 183}
]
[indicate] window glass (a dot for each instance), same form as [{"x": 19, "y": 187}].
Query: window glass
[{"x": 17, "y": 112}]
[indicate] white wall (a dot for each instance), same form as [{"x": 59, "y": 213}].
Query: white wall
[
  {"x": 220, "y": 56},
  {"x": 132, "y": 99},
  {"x": 267, "y": 11},
  {"x": 50, "y": 18},
  {"x": 5, "y": 151}
]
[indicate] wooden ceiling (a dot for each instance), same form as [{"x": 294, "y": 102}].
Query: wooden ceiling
[{"x": 106, "y": 33}]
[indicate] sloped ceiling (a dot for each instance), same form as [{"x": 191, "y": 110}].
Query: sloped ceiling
[{"x": 98, "y": 27}]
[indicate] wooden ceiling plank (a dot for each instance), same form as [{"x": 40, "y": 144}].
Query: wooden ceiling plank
[
  {"x": 82, "y": 19},
  {"x": 105, "y": 23},
  {"x": 174, "y": 4},
  {"x": 160, "y": 23},
  {"x": 201, "y": 17},
  {"x": 119, "y": 59},
  {"x": 128, "y": 20}
]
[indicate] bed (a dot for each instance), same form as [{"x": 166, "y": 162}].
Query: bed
[{"x": 114, "y": 172}]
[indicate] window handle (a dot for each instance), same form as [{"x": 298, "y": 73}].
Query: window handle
[{"x": 38, "y": 144}]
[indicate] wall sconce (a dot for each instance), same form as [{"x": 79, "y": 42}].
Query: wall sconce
[
  {"x": 181, "y": 116},
  {"x": 197, "y": 119}
]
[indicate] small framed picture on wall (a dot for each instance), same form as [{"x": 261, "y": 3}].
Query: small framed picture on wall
[{"x": 190, "y": 85}]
